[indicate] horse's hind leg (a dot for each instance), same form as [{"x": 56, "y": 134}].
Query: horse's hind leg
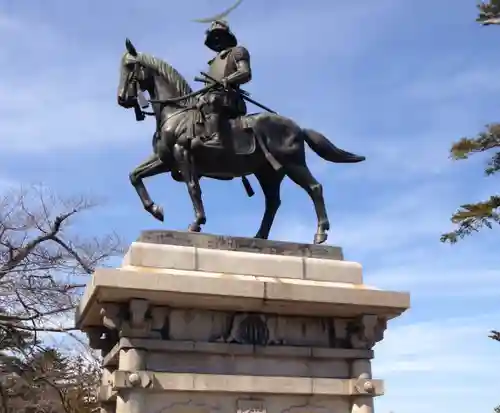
[
  {"x": 151, "y": 167},
  {"x": 270, "y": 182},
  {"x": 302, "y": 176}
]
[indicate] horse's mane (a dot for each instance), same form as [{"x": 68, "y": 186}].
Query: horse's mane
[
  {"x": 175, "y": 78},
  {"x": 172, "y": 76}
]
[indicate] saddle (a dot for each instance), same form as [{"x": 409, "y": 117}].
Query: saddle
[{"x": 241, "y": 136}]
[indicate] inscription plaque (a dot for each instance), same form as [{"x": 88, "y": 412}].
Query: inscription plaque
[{"x": 227, "y": 243}]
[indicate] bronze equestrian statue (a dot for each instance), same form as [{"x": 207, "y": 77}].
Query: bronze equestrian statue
[{"x": 267, "y": 145}]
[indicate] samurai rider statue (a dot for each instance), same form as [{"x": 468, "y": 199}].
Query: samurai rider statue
[{"x": 230, "y": 67}]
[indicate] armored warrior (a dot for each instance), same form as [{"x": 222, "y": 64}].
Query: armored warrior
[{"x": 231, "y": 67}]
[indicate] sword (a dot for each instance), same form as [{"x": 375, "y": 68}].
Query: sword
[{"x": 244, "y": 94}]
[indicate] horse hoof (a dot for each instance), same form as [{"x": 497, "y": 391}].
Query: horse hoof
[
  {"x": 320, "y": 238},
  {"x": 157, "y": 212},
  {"x": 194, "y": 228}
]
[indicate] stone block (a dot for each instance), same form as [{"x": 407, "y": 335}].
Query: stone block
[
  {"x": 185, "y": 289},
  {"x": 247, "y": 263},
  {"x": 332, "y": 270},
  {"x": 161, "y": 256},
  {"x": 290, "y": 260}
]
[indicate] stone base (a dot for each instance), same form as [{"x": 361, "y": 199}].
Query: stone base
[{"x": 193, "y": 322}]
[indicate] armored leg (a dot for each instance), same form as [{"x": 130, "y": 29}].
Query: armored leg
[{"x": 219, "y": 131}]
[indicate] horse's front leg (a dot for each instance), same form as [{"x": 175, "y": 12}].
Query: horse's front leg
[
  {"x": 192, "y": 180},
  {"x": 151, "y": 167}
]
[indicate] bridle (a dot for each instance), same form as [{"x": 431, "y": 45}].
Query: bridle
[{"x": 134, "y": 92}]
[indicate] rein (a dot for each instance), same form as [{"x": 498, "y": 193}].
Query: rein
[
  {"x": 175, "y": 101},
  {"x": 141, "y": 114},
  {"x": 181, "y": 98}
]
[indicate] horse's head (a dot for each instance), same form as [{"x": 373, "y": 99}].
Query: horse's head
[{"x": 134, "y": 77}]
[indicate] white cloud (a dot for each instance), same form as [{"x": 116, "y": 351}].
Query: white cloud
[
  {"x": 397, "y": 234},
  {"x": 9, "y": 24},
  {"x": 315, "y": 30},
  {"x": 380, "y": 223},
  {"x": 459, "y": 84},
  {"x": 443, "y": 363}
]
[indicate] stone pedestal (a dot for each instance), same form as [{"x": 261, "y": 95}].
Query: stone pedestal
[{"x": 195, "y": 323}]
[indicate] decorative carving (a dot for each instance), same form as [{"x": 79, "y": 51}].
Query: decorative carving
[
  {"x": 366, "y": 331},
  {"x": 249, "y": 329},
  {"x": 145, "y": 321},
  {"x": 250, "y": 406},
  {"x": 112, "y": 315},
  {"x": 265, "y": 329},
  {"x": 134, "y": 379},
  {"x": 135, "y": 320}
]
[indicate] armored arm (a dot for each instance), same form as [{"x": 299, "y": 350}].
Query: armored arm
[{"x": 243, "y": 73}]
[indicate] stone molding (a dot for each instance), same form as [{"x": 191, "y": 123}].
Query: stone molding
[
  {"x": 191, "y": 382},
  {"x": 166, "y": 346}
]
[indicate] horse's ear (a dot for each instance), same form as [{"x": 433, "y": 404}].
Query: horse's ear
[{"x": 130, "y": 47}]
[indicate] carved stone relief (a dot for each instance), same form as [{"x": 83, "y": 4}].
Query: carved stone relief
[
  {"x": 366, "y": 331},
  {"x": 141, "y": 320},
  {"x": 249, "y": 329},
  {"x": 136, "y": 319}
]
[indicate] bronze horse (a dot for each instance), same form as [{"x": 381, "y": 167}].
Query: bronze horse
[{"x": 267, "y": 145}]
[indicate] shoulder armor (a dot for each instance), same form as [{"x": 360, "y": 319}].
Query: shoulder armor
[{"x": 240, "y": 53}]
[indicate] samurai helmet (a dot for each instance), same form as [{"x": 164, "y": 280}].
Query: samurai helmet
[{"x": 218, "y": 32}]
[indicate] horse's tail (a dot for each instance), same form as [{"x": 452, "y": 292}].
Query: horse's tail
[{"x": 327, "y": 150}]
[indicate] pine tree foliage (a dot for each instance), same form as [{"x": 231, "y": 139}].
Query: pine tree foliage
[
  {"x": 489, "y": 12},
  {"x": 471, "y": 218},
  {"x": 44, "y": 264}
]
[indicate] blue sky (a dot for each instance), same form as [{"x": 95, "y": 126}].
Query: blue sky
[{"x": 394, "y": 81}]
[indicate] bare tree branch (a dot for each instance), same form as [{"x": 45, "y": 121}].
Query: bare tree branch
[{"x": 43, "y": 268}]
